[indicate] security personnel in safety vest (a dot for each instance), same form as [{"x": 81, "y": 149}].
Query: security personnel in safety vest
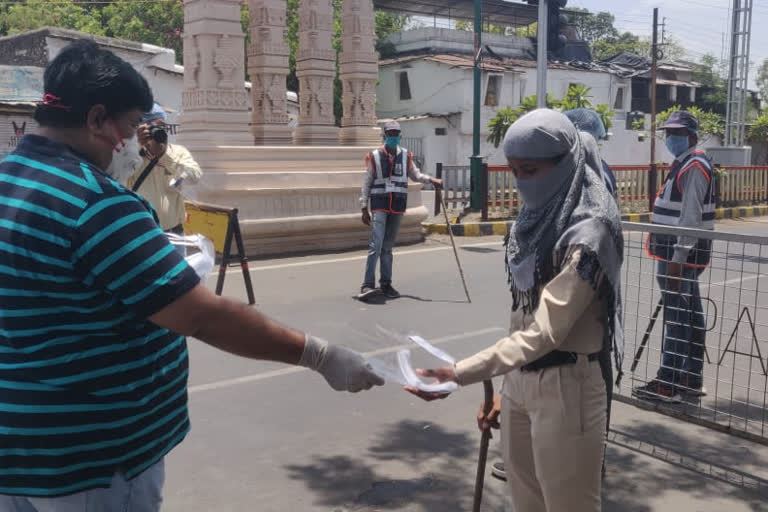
[
  {"x": 687, "y": 199},
  {"x": 386, "y": 186}
]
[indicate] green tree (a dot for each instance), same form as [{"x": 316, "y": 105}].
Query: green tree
[
  {"x": 606, "y": 114},
  {"x": 709, "y": 73},
  {"x": 710, "y": 123},
  {"x": 759, "y": 130},
  {"x": 488, "y": 28},
  {"x": 626, "y": 42},
  {"x": 576, "y": 97},
  {"x": 33, "y": 14},
  {"x": 531, "y": 30},
  {"x": 388, "y": 23},
  {"x": 157, "y": 23},
  {"x": 762, "y": 80},
  {"x": 594, "y": 27}
]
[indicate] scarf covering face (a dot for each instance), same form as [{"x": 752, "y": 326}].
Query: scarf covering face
[{"x": 580, "y": 214}]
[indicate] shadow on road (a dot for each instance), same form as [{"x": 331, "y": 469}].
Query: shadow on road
[
  {"x": 698, "y": 468},
  {"x": 482, "y": 250},
  {"x": 443, "y": 460},
  {"x": 645, "y": 460},
  {"x": 382, "y": 300}
]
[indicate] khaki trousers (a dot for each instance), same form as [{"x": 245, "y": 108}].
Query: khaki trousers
[{"x": 553, "y": 437}]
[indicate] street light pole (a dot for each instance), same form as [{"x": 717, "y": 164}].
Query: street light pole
[
  {"x": 541, "y": 60},
  {"x": 476, "y": 161},
  {"x": 653, "y": 174}
]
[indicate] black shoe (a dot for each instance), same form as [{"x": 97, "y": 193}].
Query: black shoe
[
  {"x": 389, "y": 291},
  {"x": 497, "y": 470},
  {"x": 366, "y": 292},
  {"x": 658, "y": 390},
  {"x": 691, "y": 386}
]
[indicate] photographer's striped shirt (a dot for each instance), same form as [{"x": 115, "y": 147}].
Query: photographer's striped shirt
[{"x": 88, "y": 386}]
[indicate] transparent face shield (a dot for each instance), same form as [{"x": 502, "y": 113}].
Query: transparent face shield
[
  {"x": 404, "y": 373},
  {"x": 201, "y": 261}
]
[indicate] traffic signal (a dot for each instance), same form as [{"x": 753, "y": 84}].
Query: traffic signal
[{"x": 556, "y": 23}]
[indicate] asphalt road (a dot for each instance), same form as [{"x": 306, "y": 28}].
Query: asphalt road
[{"x": 266, "y": 437}]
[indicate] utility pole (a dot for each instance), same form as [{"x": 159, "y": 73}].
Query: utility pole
[
  {"x": 738, "y": 72},
  {"x": 541, "y": 60},
  {"x": 476, "y": 161},
  {"x": 652, "y": 184}
]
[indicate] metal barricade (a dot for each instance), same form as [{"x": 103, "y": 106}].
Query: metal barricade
[{"x": 726, "y": 332}]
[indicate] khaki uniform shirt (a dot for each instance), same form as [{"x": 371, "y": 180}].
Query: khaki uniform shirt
[
  {"x": 166, "y": 200},
  {"x": 569, "y": 318}
]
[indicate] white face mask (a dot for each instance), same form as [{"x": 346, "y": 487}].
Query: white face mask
[{"x": 126, "y": 162}]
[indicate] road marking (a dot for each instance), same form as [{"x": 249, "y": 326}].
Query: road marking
[
  {"x": 353, "y": 258},
  {"x": 296, "y": 369},
  {"x": 735, "y": 280}
]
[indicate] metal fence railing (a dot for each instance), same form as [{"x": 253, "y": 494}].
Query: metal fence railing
[
  {"x": 727, "y": 336},
  {"x": 632, "y": 186},
  {"x": 457, "y": 186},
  {"x": 502, "y": 194},
  {"x": 738, "y": 186},
  {"x": 744, "y": 185}
]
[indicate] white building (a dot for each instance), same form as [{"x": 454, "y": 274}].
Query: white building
[{"x": 428, "y": 86}]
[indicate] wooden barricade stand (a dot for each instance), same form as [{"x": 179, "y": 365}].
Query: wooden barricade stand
[{"x": 220, "y": 224}]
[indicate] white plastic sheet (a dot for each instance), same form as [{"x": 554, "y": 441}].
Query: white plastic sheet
[
  {"x": 203, "y": 260},
  {"x": 404, "y": 373}
]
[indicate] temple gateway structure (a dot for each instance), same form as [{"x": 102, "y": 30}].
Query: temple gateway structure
[{"x": 297, "y": 189}]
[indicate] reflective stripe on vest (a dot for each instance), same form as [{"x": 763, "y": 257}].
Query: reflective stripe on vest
[
  {"x": 389, "y": 191},
  {"x": 669, "y": 204}
]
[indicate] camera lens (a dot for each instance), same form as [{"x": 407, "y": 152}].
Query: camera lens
[{"x": 158, "y": 134}]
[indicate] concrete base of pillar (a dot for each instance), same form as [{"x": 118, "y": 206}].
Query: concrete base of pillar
[
  {"x": 211, "y": 128},
  {"x": 360, "y": 136},
  {"x": 271, "y": 135},
  {"x": 225, "y": 136},
  {"x": 316, "y": 135},
  {"x": 304, "y": 199}
]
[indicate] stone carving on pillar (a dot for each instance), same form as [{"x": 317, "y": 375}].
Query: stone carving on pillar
[
  {"x": 214, "y": 101},
  {"x": 316, "y": 70},
  {"x": 359, "y": 72},
  {"x": 268, "y": 69},
  {"x": 191, "y": 59}
]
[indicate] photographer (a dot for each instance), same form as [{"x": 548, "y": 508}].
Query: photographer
[{"x": 165, "y": 170}]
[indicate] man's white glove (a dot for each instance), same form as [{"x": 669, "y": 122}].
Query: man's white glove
[{"x": 344, "y": 369}]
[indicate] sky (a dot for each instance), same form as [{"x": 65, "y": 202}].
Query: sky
[{"x": 700, "y": 25}]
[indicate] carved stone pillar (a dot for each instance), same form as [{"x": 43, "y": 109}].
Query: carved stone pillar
[
  {"x": 214, "y": 101},
  {"x": 316, "y": 70},
  {"x": 358, "y": 73},
  {"x": 268, "y": 68}
]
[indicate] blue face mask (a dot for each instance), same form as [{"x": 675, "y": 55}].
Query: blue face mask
[
  {"x": 677, "y": 144},
  {"x": 392, "y": 141}
]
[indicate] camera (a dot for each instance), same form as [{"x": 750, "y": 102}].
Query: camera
[{"x": 158, "y": 134}]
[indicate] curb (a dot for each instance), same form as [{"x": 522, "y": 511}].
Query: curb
[{"x": 501, "y": 228}]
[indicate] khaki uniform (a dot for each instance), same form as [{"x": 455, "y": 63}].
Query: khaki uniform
[
  {"x": 166, "y": 200},
  {"x": 553, "y": 420}
]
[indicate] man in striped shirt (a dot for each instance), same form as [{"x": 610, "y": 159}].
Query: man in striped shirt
[{"x": 95, "y": 305}]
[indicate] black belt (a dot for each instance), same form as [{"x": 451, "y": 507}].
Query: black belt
[{"x": 556, "y": 358}]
